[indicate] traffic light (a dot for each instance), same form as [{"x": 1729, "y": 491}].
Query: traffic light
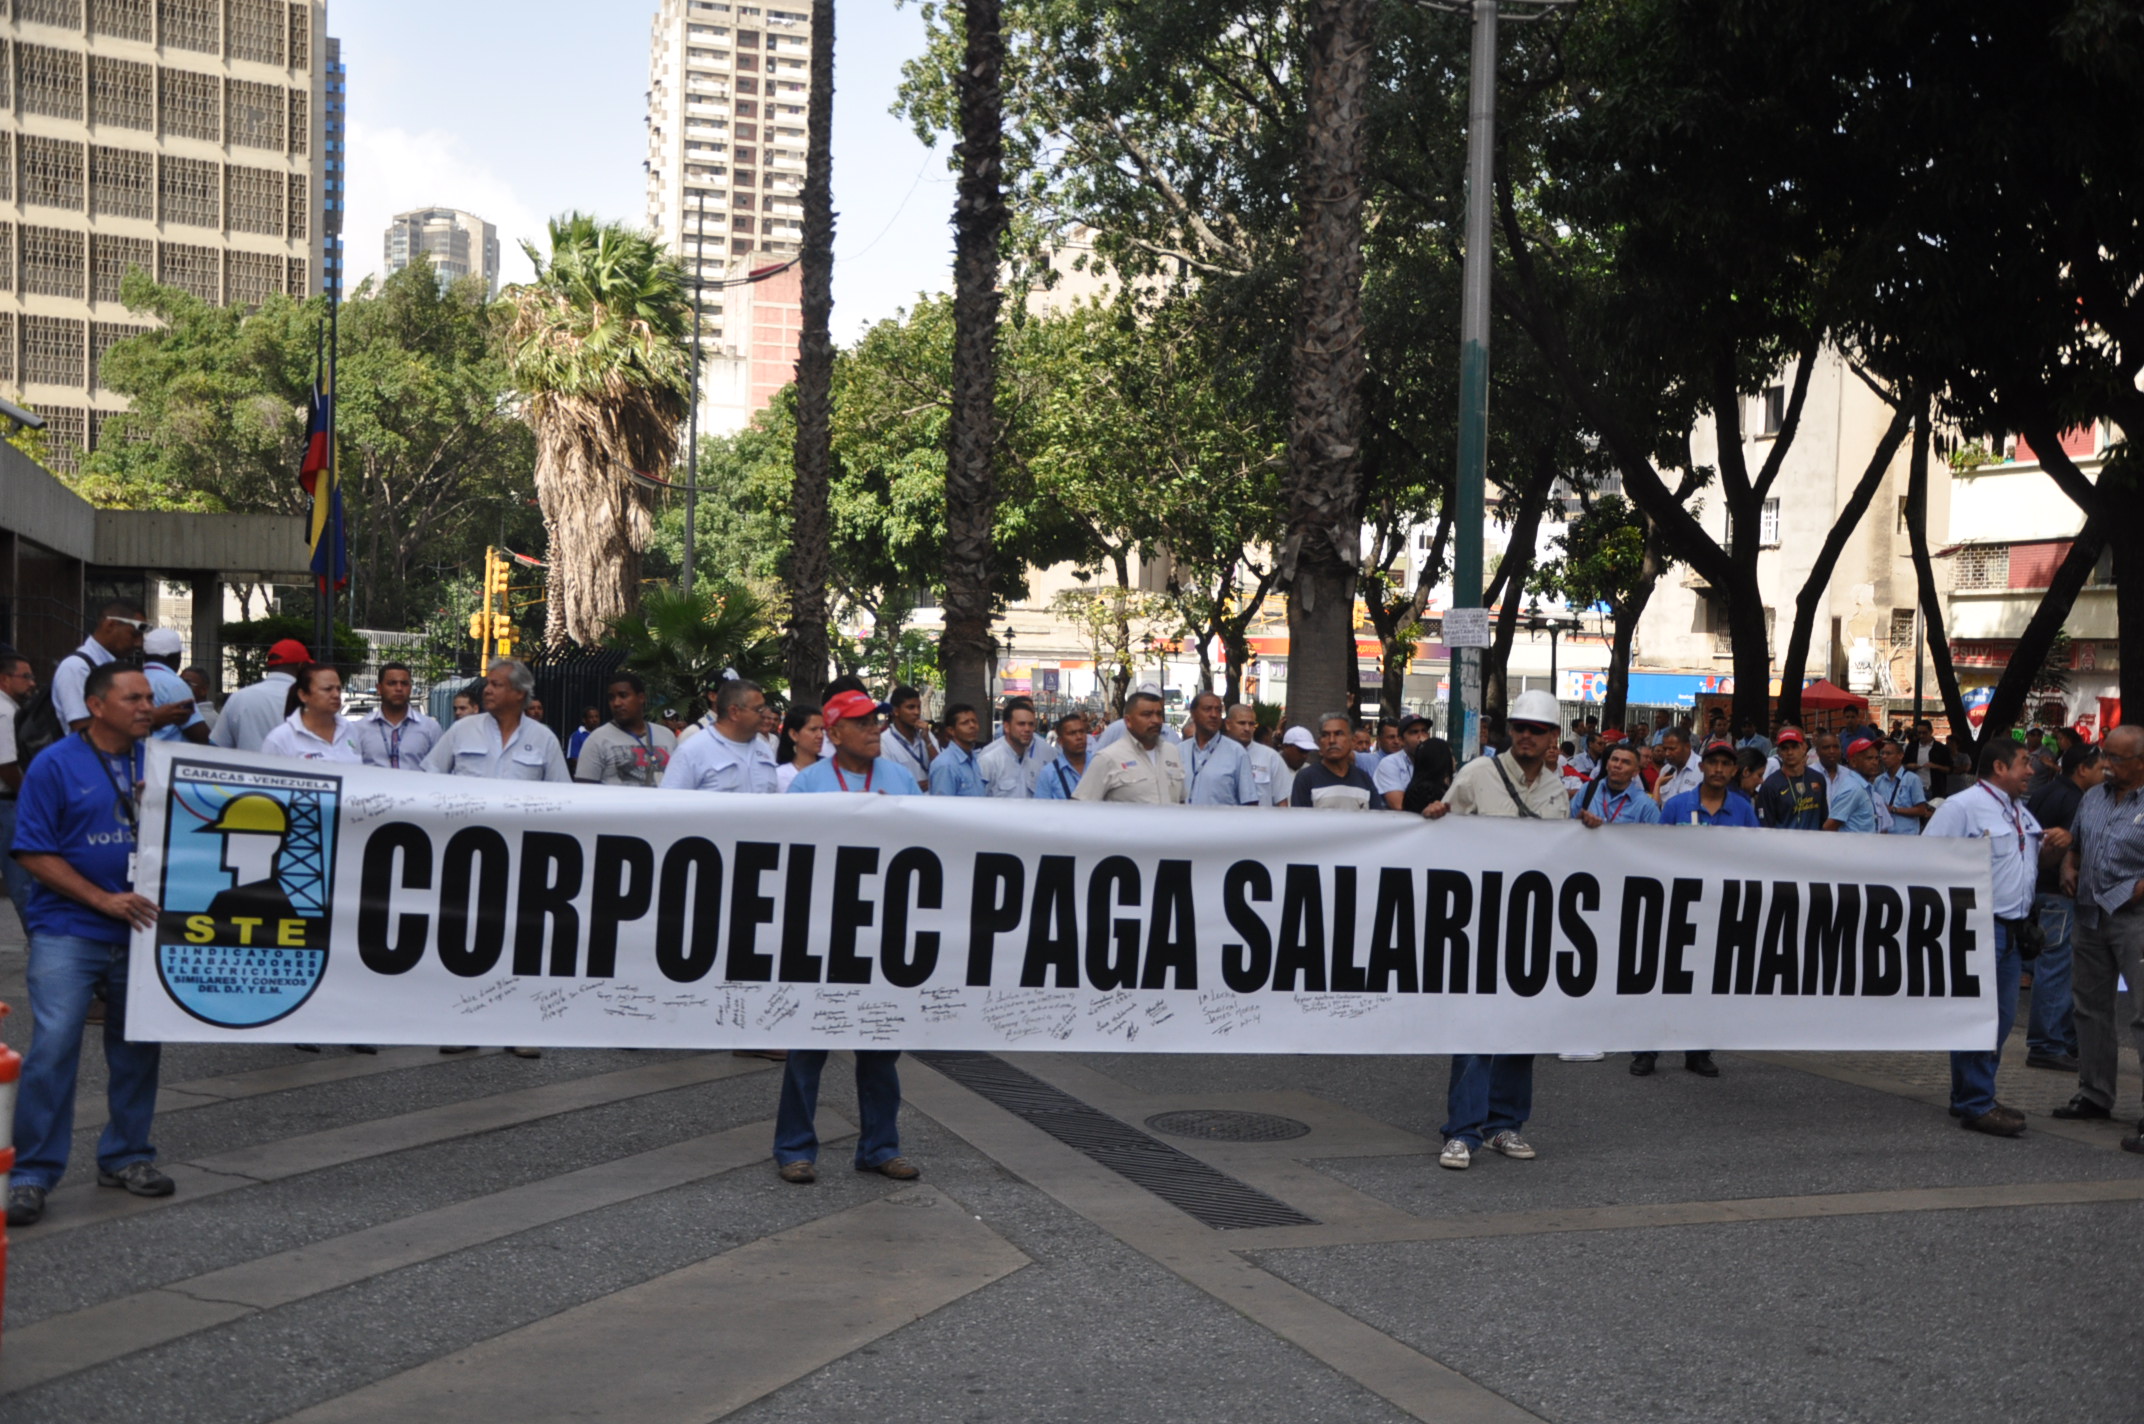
[
  {"x": 477, "y": 626},
  {"x": 498, "y": 576},
  {"x": 504, "y": 633}
]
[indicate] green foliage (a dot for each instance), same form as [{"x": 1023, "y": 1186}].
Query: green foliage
[
  {"x": 247, "y": 642},
  {"x": 683, "y": 643},
  {"x": 434, "y": 462},
  {"x": 610, "y": 313},
  {"x": 1600, "y": 557}
]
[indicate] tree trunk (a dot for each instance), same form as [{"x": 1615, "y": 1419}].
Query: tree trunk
[
  {"x": 811, "y": 536},
  {"x": 1322, "y": 546},
  {"x": 1924, "y": 577},
  {"x": 979, "y": 220},
  {"x": 1121, "y": 675},
  {"x": 2009, "y": 707},
  {"x": 1796, "y": 658},
  {"x": 1511, "y": 574},
  {"x": 1628, "y": 612}
]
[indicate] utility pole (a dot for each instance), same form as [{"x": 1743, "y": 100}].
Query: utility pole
[{"x": 1467, "y": 619}]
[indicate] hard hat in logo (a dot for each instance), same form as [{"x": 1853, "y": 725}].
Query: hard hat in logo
[{"x": 251, "y": 814}]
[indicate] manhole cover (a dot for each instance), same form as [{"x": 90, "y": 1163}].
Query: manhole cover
[{"x": 1228, "y": 1126}]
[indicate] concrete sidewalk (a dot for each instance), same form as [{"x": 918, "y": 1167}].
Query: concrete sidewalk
[{"x": 600, "y": 1235}]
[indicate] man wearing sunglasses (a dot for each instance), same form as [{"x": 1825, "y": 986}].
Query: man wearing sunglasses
[
  {"x": 117, "y": 635},
  {"x": 1491, "y": 1095}
]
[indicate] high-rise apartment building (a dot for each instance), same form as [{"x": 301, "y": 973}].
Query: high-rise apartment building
[
  {"x": 727, "y": 90},
  {"x": 182, "y": 137},
  {"x": 460, "y": 245},
  {"x": 333, "y": 171}
]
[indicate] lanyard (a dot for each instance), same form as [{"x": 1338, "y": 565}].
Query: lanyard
[
  {"x": 1059, "y": 767},
  {"x": 845, "y": 781},
  {"x": 1616, "y": 804},
  {"x": 2017, "y": 822},
  {"x": 125, "y": 789}
]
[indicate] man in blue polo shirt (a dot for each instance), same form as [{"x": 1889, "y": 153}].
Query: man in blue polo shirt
[
  {"x": 75, "y": 833},
  {"x": 852, "y": 731},
  {"x": 956, "y": 771},
  {"x": 1712, "y": 803},
  {"x": 1617, "y": 796}
]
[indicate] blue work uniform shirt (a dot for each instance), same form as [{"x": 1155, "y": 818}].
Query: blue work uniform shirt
[
  {"x": 1903, "y": 789},
  {"x": 1851, "y": 804},
  {"x": 167, "y": 687},
  {"x": 75, "y": 804},
  {"x": 1628, "y": 807},
  {"x": 824, "y": 775},
  {"x": 955, "y": 773},
  {"x": 1688, "y": 809},
  {"x": 1057, "y": 780}
]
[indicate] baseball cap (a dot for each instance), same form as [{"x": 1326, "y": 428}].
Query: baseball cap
[
  {"x": 162, "y": 642},
  {"x": 1859, "y": 745},
  {"x": 1790, "y": 734},
  {"x": 1719, "y": 749},
  {"x": 288, "y": 650},
  {"x": 1612, "y": 735},
  {"x": 1299, "y": 738},
  {"x": 849, "y": 704},
  {"x": 1411, "y": 719}
]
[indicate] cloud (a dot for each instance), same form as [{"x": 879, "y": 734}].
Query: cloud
[{"x": 392, "y": 170}]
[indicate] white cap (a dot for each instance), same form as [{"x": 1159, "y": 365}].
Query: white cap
[
  {"x": 1151, "y": 689},
  {"x": 1535, "y": 706},
  {"x": 162, "y": 642},
  {"x": 1300, "y": 738}
]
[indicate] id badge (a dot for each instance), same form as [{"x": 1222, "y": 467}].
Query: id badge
[{"x": 133, "y": 864}]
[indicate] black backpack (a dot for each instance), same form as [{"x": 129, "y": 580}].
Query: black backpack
[{"x": 38, "y": 725}]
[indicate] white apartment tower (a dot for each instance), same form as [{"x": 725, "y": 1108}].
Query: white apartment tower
[
  {"x": 182, "y": 137},
  {"x": 460, "y": 245},
  {"x": 727, "y": 87}
]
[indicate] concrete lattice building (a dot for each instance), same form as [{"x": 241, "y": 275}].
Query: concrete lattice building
[
  {"x": 460, "y": 245},
  {"x": 182, "y": 137},
  {"x": 727, "y": 89},
  {"x": 334, "y": 170}
]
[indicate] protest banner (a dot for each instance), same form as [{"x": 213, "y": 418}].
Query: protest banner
[{"x": 306, "y": 902}]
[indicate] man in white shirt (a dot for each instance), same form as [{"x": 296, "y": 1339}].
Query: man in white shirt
[
  {"x": 1298, "y": 749},
  {"x": 727, "y": 756},
  {"x": 117, "y": 635},
  {"x": 1271, "y": 776},
  {"x": 1142, "y": 769},
  {"x": 394, "y": 734},
  {"x": 907, "y": 742},
  {"x": 176, "y": 718},
  {"x": 1994, "y": 812},
  {"x": 17, "y": 681},
  {"x": 1679, "y": 771},
  {"x": 251, "y": 713},
  {"x": 501, "y": 742},
  {"x": 1010, "y": 763}
]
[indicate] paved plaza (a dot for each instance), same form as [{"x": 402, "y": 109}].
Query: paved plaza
[{"x": 600, "y": 1235}]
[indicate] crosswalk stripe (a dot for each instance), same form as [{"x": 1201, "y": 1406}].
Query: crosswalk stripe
[
  {"x": 649, "y": 1353},
  {"x": 63, "y": 1344},
  {"x": 84, "y": 1204}
]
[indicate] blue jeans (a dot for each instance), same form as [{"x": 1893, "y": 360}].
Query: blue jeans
[
  {"x": 1488, "y": 1093},
  {"x": 17, "y": 880},
  {"x": 64, "y": 969},
  {"x": 878, "y": 1102},
  {"x": 2053, "y": 1028},
  {"x": 1972, "y": 1075}
]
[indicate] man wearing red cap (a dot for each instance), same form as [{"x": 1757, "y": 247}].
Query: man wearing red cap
[
  {"x": 1853, "y": 804},
  {"x": 251, "y": 713},
  {"x": 852, "y": 730},
  {"x": 1794, "y": 798},
  {"x": 854, "y": 735}
]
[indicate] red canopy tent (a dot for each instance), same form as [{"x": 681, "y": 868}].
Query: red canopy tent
[{"x": 1822, "y": 696}]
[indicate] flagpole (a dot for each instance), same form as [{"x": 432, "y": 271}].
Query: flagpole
[{"x": 324, "y": 583}]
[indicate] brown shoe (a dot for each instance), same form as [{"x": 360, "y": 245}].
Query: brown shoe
[
  {"x": 772, "y": 1055},
  {"x": 898, "y": 1168},
  {"x": 1998, "y": 1121},
  {"x": 801, "y": 1173}
]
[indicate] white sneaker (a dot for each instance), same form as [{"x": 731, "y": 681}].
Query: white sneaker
[
  {"x": 1512, "y": 1145},
  {"x": 1580, "y": 1057},
  {"x": 1456, "y": 1155}
]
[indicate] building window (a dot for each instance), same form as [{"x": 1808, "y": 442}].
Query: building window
[
  {"x": 190, "y": 105},
  {"x": 7, "y": 347},
  {"x": 1768, "y": 525},
  {"x": 254, "y": 276},
  {"x": 189, "y": 24},
  {"x": 65, "y": 13},
  {"x": 52, "y": 172},
  {"x": 52, "y": 351},
  {"x": 51, "y": 81},
  {"x": 189, "y": 190},
  {"x": 122, "y": 183},
  {"x": 109, "y": 260},
  {"x": 51, "y": 262},
  {"x": 255, "y": 202},
  {"x": 122, "y": 94},
  {"x": 301, "y": 127},
  {"x": 1981, "y": 567},
  {"x": 256, "y": 30},
  {"x": 194, "y": 269},
  {"x": 254, "y": 114},
  {"x": 1771, "y": 410},
  {"x": 121, "y": 19}
]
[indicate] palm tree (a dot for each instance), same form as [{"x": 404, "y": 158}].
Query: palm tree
[
  {"x": 979, "y": 220},
  {"x": 810, "y": 535},
  {"x": 598, "y": 349},
  {"x": 683, "y": 643},
  {"x": 1322, "y": 549}
]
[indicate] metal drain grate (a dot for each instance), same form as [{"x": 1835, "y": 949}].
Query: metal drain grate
[
  {"x": 1208, "y": 1196},
  {"x": 1218, "y": 1125}
]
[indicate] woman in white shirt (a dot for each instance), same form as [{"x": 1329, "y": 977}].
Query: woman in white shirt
[
  {"x": 803, "y": 743},
  {"x": 314, "y": 729}
]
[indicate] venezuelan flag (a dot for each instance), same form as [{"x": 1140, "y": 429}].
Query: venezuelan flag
[{"x": 318, "y": 475}]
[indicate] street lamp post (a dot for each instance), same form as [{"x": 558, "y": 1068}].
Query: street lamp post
[{"x": 692, "y": 416}]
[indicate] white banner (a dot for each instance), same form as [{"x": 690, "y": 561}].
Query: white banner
[{"x": 304, "y": 903}]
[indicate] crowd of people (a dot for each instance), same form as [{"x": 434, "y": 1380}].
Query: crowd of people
[{"x": 2062, "y": 818}]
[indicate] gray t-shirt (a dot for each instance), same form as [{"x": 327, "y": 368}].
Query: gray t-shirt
[{"x": 612, "y": 756}]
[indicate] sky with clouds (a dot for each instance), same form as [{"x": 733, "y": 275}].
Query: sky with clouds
[{"x": 519, "y": 109}]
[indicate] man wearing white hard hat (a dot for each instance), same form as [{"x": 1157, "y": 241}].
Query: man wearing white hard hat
[{"x": 1491, "y": 1095}]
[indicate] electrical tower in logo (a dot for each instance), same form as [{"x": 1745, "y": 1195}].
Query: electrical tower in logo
[{"x": 304, "y": 869}]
